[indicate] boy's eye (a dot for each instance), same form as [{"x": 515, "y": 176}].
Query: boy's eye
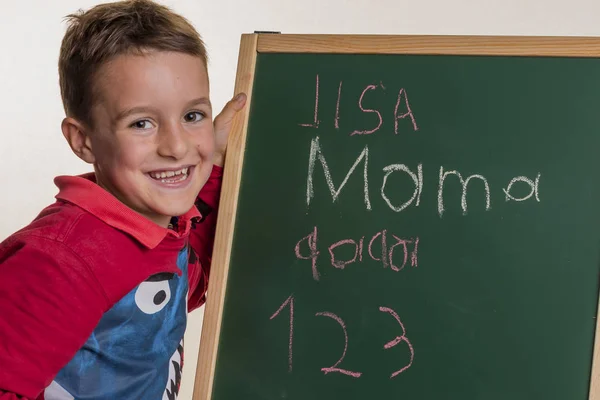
[
  {"x": 141, "y": 124},
  {"x": 194, "y": 116}
]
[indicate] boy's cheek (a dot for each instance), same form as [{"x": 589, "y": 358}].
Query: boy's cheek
[{"x": 207, "y": 148}]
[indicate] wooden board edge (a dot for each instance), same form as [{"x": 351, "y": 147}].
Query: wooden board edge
[
  {"x": 211, "y": 327},
  {"x": 595, "y": 376},
  {"x": 551, "y": 46}
]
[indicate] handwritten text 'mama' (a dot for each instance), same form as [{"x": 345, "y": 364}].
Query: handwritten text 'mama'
[{"x": 316, "y": 153}]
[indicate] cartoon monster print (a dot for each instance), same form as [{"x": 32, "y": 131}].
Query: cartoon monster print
[{"x": 136, "y": 351}]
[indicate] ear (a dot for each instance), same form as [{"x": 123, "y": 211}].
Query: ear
[{"x": 77, "y": 135}]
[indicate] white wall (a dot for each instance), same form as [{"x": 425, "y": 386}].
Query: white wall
[{"x": 32, "y": 150}]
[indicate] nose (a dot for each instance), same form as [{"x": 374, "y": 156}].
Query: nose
[{"x": 172, "y": 142}]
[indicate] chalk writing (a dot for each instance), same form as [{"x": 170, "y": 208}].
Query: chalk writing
[
  {"x": 465, "y": 183},
  {"x": 402, "y": 110},
  {"x": 533, "y": 185},
  {"x": 315, "y": 152},
  {"x": 368, "y": 110},
  {"x": 289, "y": 301},
  {"x": 398, "y": 340},
  {"x": 360, "y": 248},
  {"x": 383, "y": 259},
  {"x": 408, "y": 112},
  {"x": 417, "y": 179},
  {"x": 409, "y": 253},
  {"x": 315, "y": 123},
  {"x": 413, "y": 256},
  {"x": 404, "y": 244},
  {"x": 334, "y": 368},
  {"x": 342, "y": 264},
  {"x": 337, "y": 107},
  {"x": 387, "y": 255},
  {"x": 311, "y": 239}
]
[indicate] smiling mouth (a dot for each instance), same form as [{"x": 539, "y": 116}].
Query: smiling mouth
[{"x": 171, "y": 176}]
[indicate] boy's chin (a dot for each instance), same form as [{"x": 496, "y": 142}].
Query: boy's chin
[{"x": 175, "y": 210}]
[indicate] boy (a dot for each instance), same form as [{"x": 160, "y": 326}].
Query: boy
[{"x": 94, "y": 292}]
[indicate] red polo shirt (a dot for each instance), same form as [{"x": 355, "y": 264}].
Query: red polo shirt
[{"x": 60, "y": 274}]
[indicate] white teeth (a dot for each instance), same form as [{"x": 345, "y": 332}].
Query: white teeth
[{"x": 169, "y": 174}]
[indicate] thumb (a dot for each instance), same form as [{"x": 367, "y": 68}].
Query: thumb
[{"x": 224, "y": 119}]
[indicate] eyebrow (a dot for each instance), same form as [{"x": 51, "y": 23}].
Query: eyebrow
[
  {"x": 200, "y": 100},
  {"x": 125, "y": 113},
  {"x": 145, "y": 109}
]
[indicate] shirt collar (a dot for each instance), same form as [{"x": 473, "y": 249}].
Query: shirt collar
[{"x": 83, "y": 191}]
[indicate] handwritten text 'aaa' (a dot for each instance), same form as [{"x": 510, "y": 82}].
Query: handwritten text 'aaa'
[{"x": 380, "y": 247}]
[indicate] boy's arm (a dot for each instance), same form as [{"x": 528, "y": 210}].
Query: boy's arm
[
  {"x": 50, "y": 302},
  {"x": 202, "y": 237}
]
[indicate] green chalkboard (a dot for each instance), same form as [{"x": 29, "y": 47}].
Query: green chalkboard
[{"x": 422, "y": 290}]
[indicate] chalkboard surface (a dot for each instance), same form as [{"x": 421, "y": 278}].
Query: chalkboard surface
[{"x": 415, "y": 227}]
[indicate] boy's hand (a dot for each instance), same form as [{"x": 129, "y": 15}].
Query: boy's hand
[{"x": 222, "y": 126}]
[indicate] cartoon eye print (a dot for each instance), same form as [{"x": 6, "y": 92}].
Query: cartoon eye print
[{"x": 154, "y": 294}]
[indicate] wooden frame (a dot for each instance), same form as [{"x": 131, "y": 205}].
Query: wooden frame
[
  {"x": 250, "y": 46},
  {"x": 211, "y": 327}
]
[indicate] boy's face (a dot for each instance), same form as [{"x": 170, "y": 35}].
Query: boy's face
[{"x": 153, "y": 140}]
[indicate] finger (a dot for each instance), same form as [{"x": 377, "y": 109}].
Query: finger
[{"x": 231, "y": 108}]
